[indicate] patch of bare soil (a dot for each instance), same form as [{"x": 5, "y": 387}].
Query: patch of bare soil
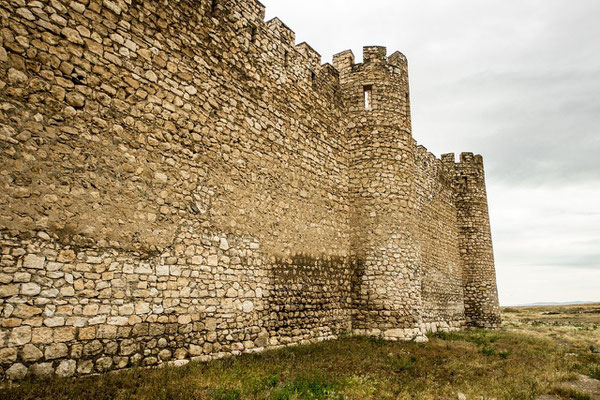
[{"x": 583, "y": 384}]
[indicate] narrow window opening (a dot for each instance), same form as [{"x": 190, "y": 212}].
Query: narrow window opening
[
  {"x": 253, "y": 35},
  {"x": 286, "y": 56},
  {"x": 213, "y": 6},
  {"x": 368, "y": 95},
  {"x": 313, "y": 77}
]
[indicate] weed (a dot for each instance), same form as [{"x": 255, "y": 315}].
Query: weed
[
  {"x": 505, "y": 353},
  {"x": 442, "y": 335},
  {"x": 309, "y": 388},
  {"x": 595, "y": 371},
  {"x": 488, "y": 351},
  {"x": 378, "y": 341},
  {"x": 481, "y": 337},
  {"x": 403, "y": 364},
  {"x": 260, "y": 384},
  {"x": 225, "y": 394}
]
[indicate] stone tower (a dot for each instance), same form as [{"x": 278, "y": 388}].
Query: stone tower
[
  {"x": 382, "y": 168},
  {"x": 475, "y": 241}
]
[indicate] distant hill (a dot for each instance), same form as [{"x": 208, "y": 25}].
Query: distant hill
[{"x": 555, "y": 303}]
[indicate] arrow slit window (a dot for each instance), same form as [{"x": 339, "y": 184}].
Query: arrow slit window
[{"x": 368, "y": 95}]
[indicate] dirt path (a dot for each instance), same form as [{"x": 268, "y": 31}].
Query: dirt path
[{"x": 584, "y": 384}]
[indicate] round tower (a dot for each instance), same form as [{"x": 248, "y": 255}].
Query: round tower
[
  {"x": 382, "y": 186},
  {"x": 475, "y": 240}
]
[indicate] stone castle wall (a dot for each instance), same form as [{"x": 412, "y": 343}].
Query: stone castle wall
[{"x": 181, "y": 181}]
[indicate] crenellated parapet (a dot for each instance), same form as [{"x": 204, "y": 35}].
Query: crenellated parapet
[
  {"x": 376, "y": 89},
  {"x": 312, "y": 57},
  {"x": 281, "y": 31}
]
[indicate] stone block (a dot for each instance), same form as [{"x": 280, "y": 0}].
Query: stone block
[
  {"x": 66, "y": 368},
  {"x": 30, "y": 289},
  {"x": 33, "y": 261},
  {"x": 20, "y": 336},
  {"x": 8, "y": 355},
  {"x": 54, "y": 351},
  {"x": 31, "y": 353}
]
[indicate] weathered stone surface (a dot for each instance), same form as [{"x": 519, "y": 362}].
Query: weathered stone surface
[
  {"x": 72, "y": 35},
  {"x": 75, "y": 99},
  {"x": 16, "y": 372},
  {"x": 66, "y": 368},
  {"x": 112, "y": 6},
  {"x": 54, "y": 351},
  {"x": 104, "y": 364},
  {"x": 205, "y": 190},
  {"x": 42, "y": 370},
  {"x": 31, "y": 353},
  {"x": 41, "y": 335},
  {"x": 20, "y": 336},
  {"x": 247, "y": 306},
  {"x": 30, "y": 289},
  {"x": 8, "y": 290},
  {"x": 33, "y": 261},
  {"x": 54, "y": 321},
  {"x": 8, "y": 355}
]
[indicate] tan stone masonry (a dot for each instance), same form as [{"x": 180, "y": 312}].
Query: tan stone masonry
[{"x": 179, "y": 180}]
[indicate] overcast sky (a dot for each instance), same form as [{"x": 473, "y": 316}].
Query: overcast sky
[{"x": 517, "y": 81}]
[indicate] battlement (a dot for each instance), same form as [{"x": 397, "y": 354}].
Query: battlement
[
  {"x": 466, "y": 158},
  {"x": 376, "y": 54},
  {"x": 250, "y": 10},
  {"x": 398, "y": 59},
  {"x": 426, "y": 155},
  {"x": 470, "y": 158},
  {"x": 343, "y": 61},
  {"x": 254, "y": 9},
  {"x": 372, "y": 55},
  {"x": 311, "y": 55},
  {"x": 281, "y": 31}
]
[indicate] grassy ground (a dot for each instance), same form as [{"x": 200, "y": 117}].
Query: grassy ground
[{"x": 530, "y": 356}]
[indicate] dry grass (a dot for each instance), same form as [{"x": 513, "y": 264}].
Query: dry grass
[
  {"x": 532, "y": 355},
  {"x": 570, "y": 393}
]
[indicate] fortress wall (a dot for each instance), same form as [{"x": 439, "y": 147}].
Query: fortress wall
[
  {"x": 173, "y": 180},
  {"x": 180, "y": 180},
  {"x": 442, "y": 277}
]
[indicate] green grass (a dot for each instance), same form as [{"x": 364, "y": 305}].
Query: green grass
[{"x": 353, "y": 368}]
